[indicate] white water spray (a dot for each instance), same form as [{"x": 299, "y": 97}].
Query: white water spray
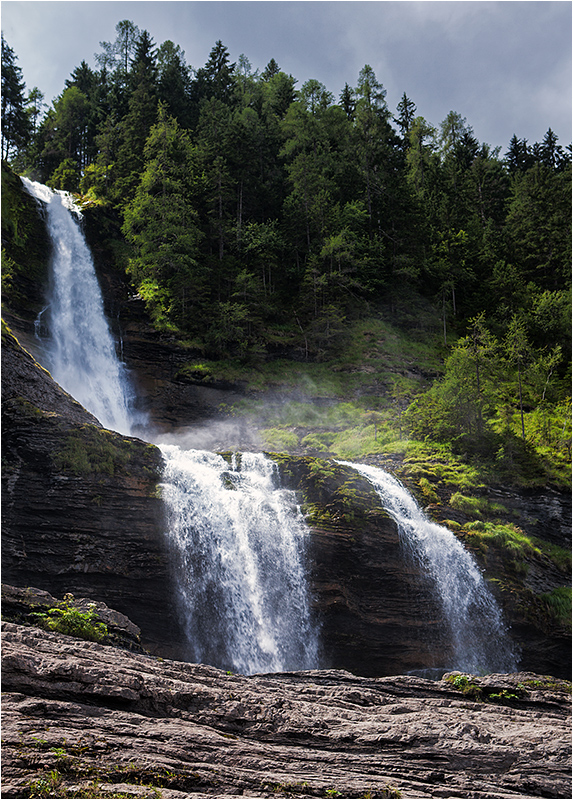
[
  {"x": 237, "y": 540},
  {"x": 478, "y": 634},
  {"x": 80, "y": 351},
  {"x": 239, "y": 544}
]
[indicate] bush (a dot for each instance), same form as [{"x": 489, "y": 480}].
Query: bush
[
  {"x": 559, "y": 604},
  {"x": 67, "y": 618}
]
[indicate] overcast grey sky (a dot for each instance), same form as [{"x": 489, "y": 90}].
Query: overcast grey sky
[{"x": 505, "y": 66}]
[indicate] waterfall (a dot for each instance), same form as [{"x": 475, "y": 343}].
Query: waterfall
[
  {"x": 238, "y": 542},
  {"x": 79, "y": 350},
  {"x": 477, "y": 632},
  {"x": 237, "y": 539}
]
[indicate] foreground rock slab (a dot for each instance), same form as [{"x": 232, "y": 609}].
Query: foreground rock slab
[{"x": 88, "y": 720}]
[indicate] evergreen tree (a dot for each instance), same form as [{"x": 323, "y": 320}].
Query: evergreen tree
[
  {"x": 116, "y": 56},
  {"x": 270, "y": 70},
  {"x": 217, "y": 75},
  {"x": 174, "y": 82},
  {"x": 162, "y": 225},
  {"x": 16, "y": 128},
  {"x": 348, "y": 101},
  {"x": 406, "y": 114},
  {"x": 518, "y": 157}
]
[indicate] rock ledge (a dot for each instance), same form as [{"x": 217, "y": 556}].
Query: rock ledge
[{"x": 83, "y": 717}]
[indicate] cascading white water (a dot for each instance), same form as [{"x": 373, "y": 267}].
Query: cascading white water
[
  {"x": 478, "y": 634},
  {"x": 79, "y": 350},
  {"x": 239, "y": 543},
  {"x": 237, "y": 540}
]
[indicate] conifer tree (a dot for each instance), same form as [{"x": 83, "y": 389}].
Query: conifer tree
[
  {"x": 16, "y": 127},
  {"x": 162, "y": 225}
]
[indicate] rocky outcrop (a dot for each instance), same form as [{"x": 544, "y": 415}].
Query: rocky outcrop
[
  {"x": 80, "y": 505},
  {"x": 81, "y": 514},
  {"x": 31, "y": 606},
  {"x": 85, "y": 719},
  {"x": 378, "y": 613}
]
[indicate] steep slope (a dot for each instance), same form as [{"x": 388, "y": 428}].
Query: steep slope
[{"x": 80, "y": 510}]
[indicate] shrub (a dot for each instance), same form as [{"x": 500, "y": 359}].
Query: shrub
[
  {"x": 67, "y": 618},
  {"x": 559, "y": 604}
]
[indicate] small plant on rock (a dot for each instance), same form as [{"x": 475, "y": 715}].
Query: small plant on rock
[{"x": 67, "y": 618}]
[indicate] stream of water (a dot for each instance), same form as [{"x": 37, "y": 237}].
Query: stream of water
[
  {"x": 239, "y": 547},
  {"x": 79, "y": 349},
  {"x": 237, "y": 540},
  {"x": 477, "y": 631}
]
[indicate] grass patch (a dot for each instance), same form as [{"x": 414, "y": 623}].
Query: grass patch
[
  {"x": 514, "y": 544},
  {"x": 558, "y": 603},
  {"x": 67, "y": 618},
  {"x": 90, "y": 449},
  {"x": 476, "y": 506}
]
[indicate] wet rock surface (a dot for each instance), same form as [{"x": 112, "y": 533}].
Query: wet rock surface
[
  {"x": 79, "y": 715},
  {"x": 80, "y": 506}
]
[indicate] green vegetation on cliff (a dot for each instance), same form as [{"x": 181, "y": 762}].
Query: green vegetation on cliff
[{"x": 407, "y": 283}]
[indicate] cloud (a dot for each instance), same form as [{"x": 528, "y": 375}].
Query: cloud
[{"x": 505, "y": 66}]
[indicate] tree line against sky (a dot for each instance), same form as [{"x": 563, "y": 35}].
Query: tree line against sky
[{"x": 255, "y": 214}]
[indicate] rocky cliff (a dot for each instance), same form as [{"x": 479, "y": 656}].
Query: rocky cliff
[
  {"x": 82, "y": 719},
  {"x": 80, "y": 507},
  {"x": 81, "y": 513}
]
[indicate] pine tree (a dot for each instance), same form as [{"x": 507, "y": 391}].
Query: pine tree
[
  {"x": 16, "y": 128},
  {"x": 406, "y": 109},
  {"x": 174, "y": 82},
  {"x": 162, "y": 225}
]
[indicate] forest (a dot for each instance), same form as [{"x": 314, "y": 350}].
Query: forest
[{"x": 258, "y": 219}]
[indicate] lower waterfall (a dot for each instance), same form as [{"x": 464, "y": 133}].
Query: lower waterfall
[
  {"x": 477, "y": 632},
  {"x": 238, "y": 544}
]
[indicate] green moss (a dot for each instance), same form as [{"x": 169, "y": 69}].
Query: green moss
[
  {"x": 428, "y": 491},
  {"x": 278, "y": 439},
  {"x": 475, "y": 506},
  {"x": 90, "y": 450},
  {"x": 25, "y": 247},
  {"x": 515, "y": 545}
]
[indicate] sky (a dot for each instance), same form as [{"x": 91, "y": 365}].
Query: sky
[{"x": 504, "y": 66}]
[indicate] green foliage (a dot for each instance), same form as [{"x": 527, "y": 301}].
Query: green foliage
[
  {"x": 472, "y": 690},
  {"x": 475, "y": 506},
  {"x": 15, "y": 122},
  {"x": 25, "y": 247},
  {"x": 281, "y": 440},
  {"x": 93, "y": 450},
  {"x": 67, "y": 618},
  {"x": 558, "y": 602},
  {"x": 161, "y": 224},
  {"x": 428, "y": 491},
  {"x": 264, "y": 221}
]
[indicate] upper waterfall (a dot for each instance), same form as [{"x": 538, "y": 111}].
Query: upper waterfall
[{"x": 79, "y": 349}]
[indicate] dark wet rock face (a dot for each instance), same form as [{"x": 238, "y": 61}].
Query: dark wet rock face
[
  {"x": 81, "y": 714},
  {"x": 80, "y": 506},
  {"x": 81, "y": 513}
]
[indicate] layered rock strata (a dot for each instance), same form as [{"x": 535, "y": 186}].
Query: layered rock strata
[
  {"x": 80, "y": 717},
  {"x": 80, "y": 506}
]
